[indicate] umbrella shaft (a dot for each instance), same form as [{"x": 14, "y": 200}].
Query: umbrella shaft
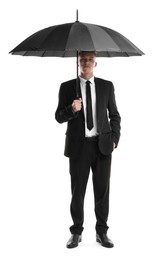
[
  {"x": 77, "y": 74},
  {"x": 77, "y": 67}
]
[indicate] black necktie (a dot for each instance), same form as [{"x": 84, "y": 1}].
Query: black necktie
[{"x": 89, "y": 115}]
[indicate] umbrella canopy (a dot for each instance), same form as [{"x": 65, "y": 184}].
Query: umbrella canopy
[{"x": 65, "y": 40}]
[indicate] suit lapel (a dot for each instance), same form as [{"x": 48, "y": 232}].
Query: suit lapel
[
  {"x": 99, "y": 103},
  {"x": 98, "y": 97}
]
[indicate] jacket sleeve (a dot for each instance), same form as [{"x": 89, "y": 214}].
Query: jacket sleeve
[
  {"x": 64, "y": 111},
  {"x": 114, "y": 116}
]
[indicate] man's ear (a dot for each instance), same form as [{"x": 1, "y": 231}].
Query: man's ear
[{"x": 95, "y": 64}]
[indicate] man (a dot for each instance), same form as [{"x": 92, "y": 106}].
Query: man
[{"x": 93, "y": 132}]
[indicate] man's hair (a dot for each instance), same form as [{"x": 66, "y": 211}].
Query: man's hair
[{"x": 85, "y": 52}]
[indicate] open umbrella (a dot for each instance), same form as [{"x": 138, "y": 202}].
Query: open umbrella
[{"x": 66, "y": 40}]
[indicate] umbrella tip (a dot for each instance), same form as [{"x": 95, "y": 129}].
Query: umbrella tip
[{"x": 77, "y": 15}]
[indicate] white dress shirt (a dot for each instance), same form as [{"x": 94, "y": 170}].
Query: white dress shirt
[{"x": 93, "y": 131}]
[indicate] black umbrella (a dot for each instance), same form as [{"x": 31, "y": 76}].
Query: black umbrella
[{"x": 66, "y": 40}]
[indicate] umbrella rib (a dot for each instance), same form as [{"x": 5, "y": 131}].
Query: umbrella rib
[
  {"x": 25, "y": 53},
  {"x": 43, "y": 53}
]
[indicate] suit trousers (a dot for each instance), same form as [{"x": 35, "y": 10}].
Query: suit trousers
[{"x": 90, "y": 158}]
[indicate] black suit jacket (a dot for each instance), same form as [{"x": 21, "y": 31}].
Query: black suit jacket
[{"x": 108, "y": 118}]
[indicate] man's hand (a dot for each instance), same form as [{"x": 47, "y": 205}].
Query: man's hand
[{"x": 77, "y": 105}]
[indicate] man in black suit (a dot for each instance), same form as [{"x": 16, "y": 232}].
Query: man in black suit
[{"x": 92, "y": 134}]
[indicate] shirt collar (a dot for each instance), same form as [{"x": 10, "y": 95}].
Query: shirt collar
[{"x": 83, "y": 81}]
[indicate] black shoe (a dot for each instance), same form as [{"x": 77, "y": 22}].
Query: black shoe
[
  {"x": 104, "y": 240},
  {"x": 74, "y": 241}
]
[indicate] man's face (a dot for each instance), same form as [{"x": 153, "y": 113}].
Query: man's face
[{"x": 87, "y": 62}]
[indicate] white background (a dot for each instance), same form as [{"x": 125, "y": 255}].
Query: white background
[{"x": 35, "y": 181}]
